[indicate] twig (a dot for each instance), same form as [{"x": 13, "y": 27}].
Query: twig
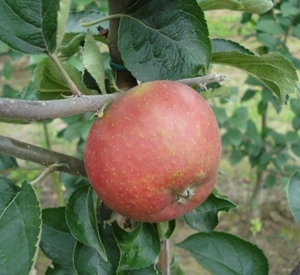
[
  {"x": 164, "y": 258},
  {"x": 41, "y": 110},
  {"x": 72, "y": 86},
  {"x": 25, "y": 151},
  {"x": 47, "y": 172},
  {"x": 201, "y": 81},
  {"x": 296, "y": 270},
  {"x": 30, "y": 111}
]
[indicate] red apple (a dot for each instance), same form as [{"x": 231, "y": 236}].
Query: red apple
[{"x": 154, "y": 155}]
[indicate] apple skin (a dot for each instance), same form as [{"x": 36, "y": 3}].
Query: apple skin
[{"x": 154, "y": 155}]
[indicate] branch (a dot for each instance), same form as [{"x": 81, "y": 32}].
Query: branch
[
  {"x": 25, "y": 151},
  {"x": 201, "y": 81},
  {"x": 124, "y": 78},
  {"x": 41, "y": 110},
  {"x": 296, "y": 270}
]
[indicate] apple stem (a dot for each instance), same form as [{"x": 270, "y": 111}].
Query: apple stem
[{"x": 164, "y": 258}]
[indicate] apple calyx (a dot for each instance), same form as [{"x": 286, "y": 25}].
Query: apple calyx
[{"x": 185, "y": 196}]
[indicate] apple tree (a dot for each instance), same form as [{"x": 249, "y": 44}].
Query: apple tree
[{"x": 94, "y": 62}]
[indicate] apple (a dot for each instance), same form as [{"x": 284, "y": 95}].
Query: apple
[{"x": 155, "y": 152}]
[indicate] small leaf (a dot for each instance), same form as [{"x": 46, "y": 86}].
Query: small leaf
[
  {"x": 175, "y": 268},
  {"x": 234, "y": 136},
  {"x": 161, "y": 39},
  {"x": 111, "y": 245},
  {"x": 236, "y": 156},
  {"x": 223, "y": 253},
  {"x": 62, "y": 19},
  {"x": 205, "y": 217},
  {"x": 56, "y": 269},
  {"x": 270, "y": 181},
  {"x": 50, "y": 82},
  {"x": 140, "y": 247},
  {"x": 92, "y": 61},
  {"x": 88, "y": 261},
  {"x": 239, "y": 117},
  {"x": 30, "y": 26},
  {"x": 273, "y": 69},
  {"x": 81, "y": 218},
  {"x": 22, "y": 218},
  {"x": 223, "y": 45},
  {"x": 220, "y": 4},
  {"x": 166, "y": 229},
  {"x": 7, "y": 162},
  {"x": 293, "y": 194},
  {"x": 73, "y": 46},
  {"x": 269, "y": 26},
  {"x": 150, "y": 270},
  {"x": 57, "y": 241},
  {"x": 29, "y": 93},
  {"x": 249, "y": 6},
  {"x": 71, "y": 182}
]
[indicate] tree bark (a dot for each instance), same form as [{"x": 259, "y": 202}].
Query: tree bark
[
  {"x": 124, "y": 78},
  {"x": 29, "y": 152}
]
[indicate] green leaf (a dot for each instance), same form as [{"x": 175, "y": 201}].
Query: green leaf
[
  {"x": 71, "y": 182},
  {"x": 150, "y": 270},
  {"x": 296, "y": 123},
  {"x": 226, "y": 254},
  {"x": 153, "y": 45},
  {"x": 81, "y": 218},
  {"x": 57, "y": 242},
  {"x": 88, "y": 261},
  {"x": 236, "y": 156},
  {"x": 62, "y": 19},
  {"x": 56, "y": 269},
  {"x": 29, "y": 26},
  {"x": 220, "y": 114},
  {"x": 234, "y": 136},
  {"x": 220, "y": 4},
  {"x": 268, "y": 40},
  {"x": 205, "y": 217},
  {"x": 7, "y": 162},
  {"x": 288, "y": 9},
  {"x": 296, "y": 149},
  {"x": 273, "y": 69},
  {"x": 166, "y": 229},
  {"x": 270, "y": 181},
  {"x": 269, "y": 26},
  {"x": 293, "y": 194},
  {"x": 223, "y": 45},
  {"x": 92, "y": 61},
  {"x": 140, "y": 247},
  {"x": 111, "y": 245},
  {"x": 249, "y": 6},
  {"x": 20, "y": 229},
  {"x": 8, "y": 191},
  {"x": 50, "y": 82},
  {"x": 239, "y": 117},
  {"x": 292, "y": 137},
  {"x": 73, "y": 46},
  {"x": 175, "y": 268},
  {"x": 280, "y": 160},
  {"x": 29, "y": 93}
]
